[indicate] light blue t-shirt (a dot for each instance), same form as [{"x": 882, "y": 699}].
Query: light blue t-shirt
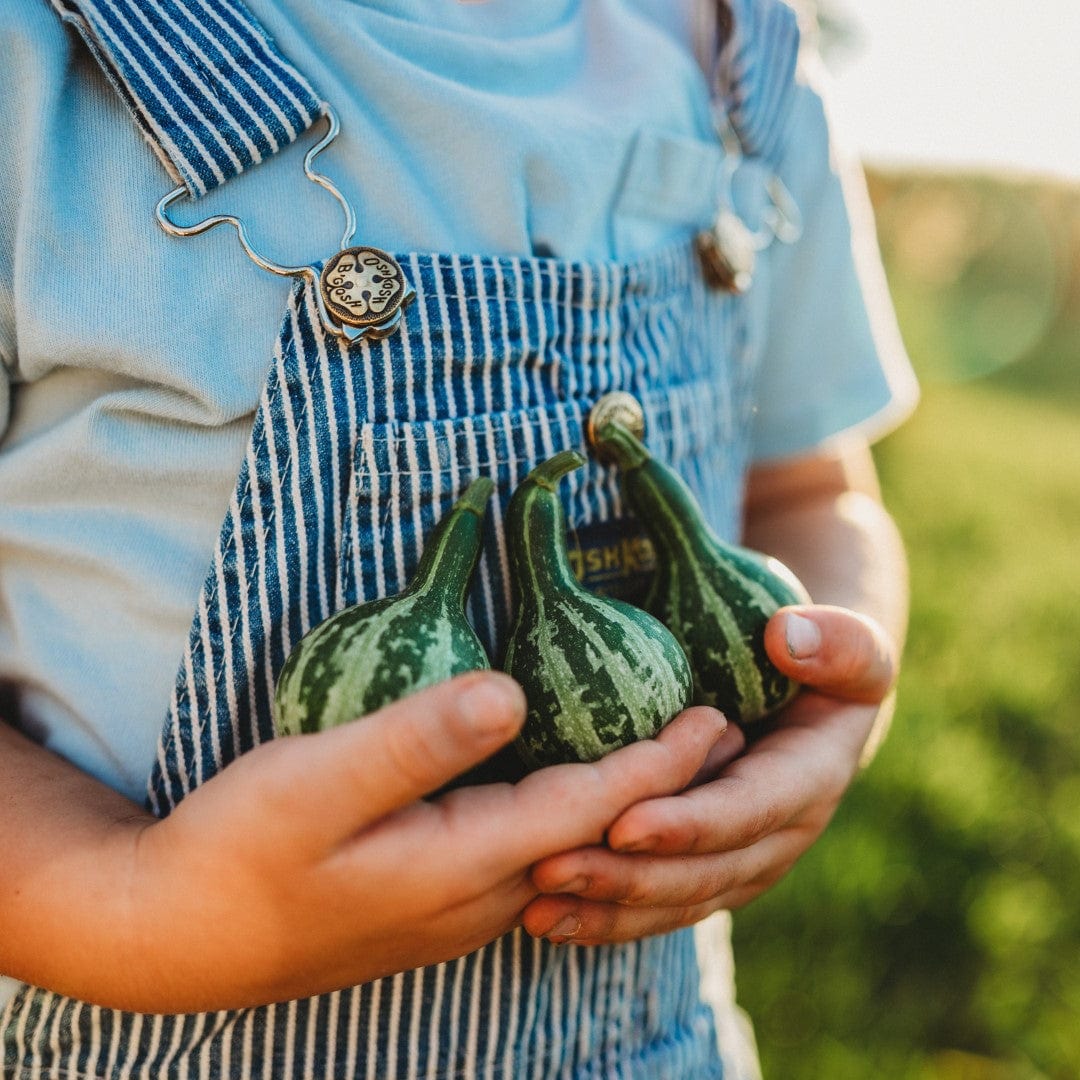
[{"x": 575, "y": 128}]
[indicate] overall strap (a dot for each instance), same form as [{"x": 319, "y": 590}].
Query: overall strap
[
  {"x": 756, "y": 68},
  {"x": 203, "y": 80},
  {"x": 748, "y": 50}
]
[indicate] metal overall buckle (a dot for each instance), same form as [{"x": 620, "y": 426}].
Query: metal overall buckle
[
  {"x": 728, "y": 250},
  {"x": 360, "y": 292}
]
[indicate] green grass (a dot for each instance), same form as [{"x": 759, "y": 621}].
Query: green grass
[{"x": 933, "y": 933}]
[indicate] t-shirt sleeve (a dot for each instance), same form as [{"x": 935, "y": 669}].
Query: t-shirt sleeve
[{"x": 832, "y": 360}]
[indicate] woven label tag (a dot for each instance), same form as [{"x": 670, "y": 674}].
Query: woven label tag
[{"x": 612, "y": 558}]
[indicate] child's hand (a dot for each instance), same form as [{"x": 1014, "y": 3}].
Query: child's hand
[
  {"x": 670, "y": 862},
  {"x": 309, "y": 864}
]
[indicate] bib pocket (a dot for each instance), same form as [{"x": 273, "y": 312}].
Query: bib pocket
[{"x": 406, "y": 475}]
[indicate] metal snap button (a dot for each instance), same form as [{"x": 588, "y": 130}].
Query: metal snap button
[
  {"x": 617, "y": 406},
  {"x": 364, "y": 287},
  {"x": 727, "y": 253}
]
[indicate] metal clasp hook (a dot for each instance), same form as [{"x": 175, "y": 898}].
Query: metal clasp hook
[
  {"x": 361, "y": 291},
  {"x": 728, "y": 250}
]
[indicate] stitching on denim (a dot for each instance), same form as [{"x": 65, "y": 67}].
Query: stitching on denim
[
  {"x": 272, "y": 391},
  {"x": 663, "y": 272},
  {"x": 664, "y": 402},
  {"x": 588, "y": 303}
]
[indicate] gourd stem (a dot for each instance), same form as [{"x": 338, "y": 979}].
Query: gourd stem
[
  {"x": 628, "y": 452},
  {"x": 453, "y": 547},
  {"x": 536, "y": 528},
  {"x": 475, "y": 497},
  {"x": 658, "y": 495},
  {"x": 548, "y": 473}
]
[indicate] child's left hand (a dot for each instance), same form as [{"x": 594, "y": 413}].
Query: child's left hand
[{"x": 670, "y": 862}]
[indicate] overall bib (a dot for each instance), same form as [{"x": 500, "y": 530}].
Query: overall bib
[{"x": 356, "y": 451}]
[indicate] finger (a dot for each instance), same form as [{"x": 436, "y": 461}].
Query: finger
[
  {"x": 832, "y": 649},
  {"x": 790, "y": 775},
  {"x": 664, "y": 903},
  {"x": 570, "y": 806},
  {"x": 724, "y": 815},
  {"x": 473, "y": 836},
  {"x": 338, "y": 781},
  {"x": 728, "y": 747},
  {"x": 598, "y": 874},
  {"x": 587, "y": 923}
]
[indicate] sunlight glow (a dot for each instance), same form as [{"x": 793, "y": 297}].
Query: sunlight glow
[{"x": 985, "y": 84}]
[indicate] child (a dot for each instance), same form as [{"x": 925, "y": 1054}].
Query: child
[{"x": 291, "y": 907}]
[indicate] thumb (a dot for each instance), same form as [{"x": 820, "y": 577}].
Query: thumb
[
  {"x": 833, "y": 649},
  {"x": 347, "y": 777}
]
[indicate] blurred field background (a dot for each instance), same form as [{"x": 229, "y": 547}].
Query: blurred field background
[{"x": 934, "y": 932}]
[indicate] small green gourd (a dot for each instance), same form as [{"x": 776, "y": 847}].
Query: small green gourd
[
  {"x": 715, "y": 597},
  {"x": 597, "y": 673},
  {"x": 368, "y": 655}
]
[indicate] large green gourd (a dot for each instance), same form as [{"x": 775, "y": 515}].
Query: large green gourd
[
  {"x": 715, "y": 597},
  {"x": 368, "y": 655},
  {"x": 597, "y": 673}
]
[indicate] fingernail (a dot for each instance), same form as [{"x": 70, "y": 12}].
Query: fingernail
[
  {"x": 574, "y": 885},
  {"x": 803, "y": 637},
  {"x": 493, "y": 705},
  {"x": 646, "y": 843},
  {"x": 564, "y": 929}
]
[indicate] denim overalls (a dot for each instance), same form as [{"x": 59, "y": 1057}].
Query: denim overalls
[{"x": 356, "y": 450}]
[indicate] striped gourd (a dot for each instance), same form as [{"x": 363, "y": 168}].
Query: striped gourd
[
  {"x": 597, "y": 673},
  {"x": 368, "y": 655},
  {"x": 714, "y": 597}
]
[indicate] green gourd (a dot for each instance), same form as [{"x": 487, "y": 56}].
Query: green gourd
[
  {"x": 597, "y": 673},
  {"x": 369, "y": 655},
  {"x": 715, "y": 597}
]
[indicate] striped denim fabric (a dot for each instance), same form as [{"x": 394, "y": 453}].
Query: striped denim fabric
[
  {"x": 209, "y": 89},
  {"x": 755, "y": 74},
  {"x": 353, "y": 455}
]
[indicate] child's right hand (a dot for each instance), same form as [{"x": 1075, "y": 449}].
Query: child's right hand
[{"x": 310, "y": 863}]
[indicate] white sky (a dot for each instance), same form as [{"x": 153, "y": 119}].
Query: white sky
[{"x": 984, "y": 83}]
